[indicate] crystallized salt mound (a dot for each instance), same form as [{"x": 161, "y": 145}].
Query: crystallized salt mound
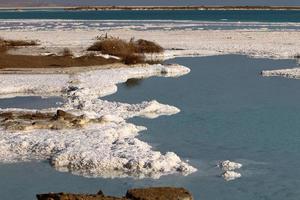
[
  {"x": 229, "y": 166},
  {"x": 288, "y": 73},
  {"x": 231, "y": 175},
  {"x": 105, "y": 149},
  {"x": 101, "y": 150}
]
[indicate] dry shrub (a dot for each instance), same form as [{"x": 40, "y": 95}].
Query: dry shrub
[
  {"x": 130, "y": 52},
  {"x": 133, "y": 59},
  {"x": 113, "y": 46},
  {"x": 67, "y": 52},
  {"x": 145, "y": 46},
  {"x": 16, "y": 43}
]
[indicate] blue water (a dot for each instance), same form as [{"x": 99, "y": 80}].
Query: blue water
[
  {"x": 228, "y": 111},
  {"x": 33, "y": 102},
  {"x": 196, "y": 15}
]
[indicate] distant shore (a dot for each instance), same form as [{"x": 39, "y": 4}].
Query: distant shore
[
  {"x": 185, "y": 8},
  {"x": 87, "y": 8}
]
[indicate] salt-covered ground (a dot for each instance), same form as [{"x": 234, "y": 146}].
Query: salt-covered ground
[
  {"x": 288, "y": 73},
  {"x": 111, "y": 148},
  {"x": 254, "y": 42},
  {"x": 108, "y": 149}
]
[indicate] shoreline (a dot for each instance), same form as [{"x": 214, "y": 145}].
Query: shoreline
[
  {"x": 194, "y": 7},
  {"x": 255, "y": 42},
  {"x": 121, "y": 154}
]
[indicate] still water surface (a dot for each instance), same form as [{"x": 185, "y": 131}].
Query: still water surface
[{"x": 228, "y": 111}]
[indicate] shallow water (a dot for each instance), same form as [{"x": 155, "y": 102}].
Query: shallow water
[
  {"x": 228, "y": 111},
  {"x": 31, "y": 102}
]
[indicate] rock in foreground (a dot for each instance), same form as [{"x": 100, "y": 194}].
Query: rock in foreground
[
  {"x": 159, "y": 193},
  {"x": 65, "y": 196}
]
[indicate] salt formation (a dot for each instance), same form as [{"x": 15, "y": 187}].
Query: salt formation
[
  {"x": 288, "y": 73},
  {"x": 228, "y": 167},
  {"x": 231, "y": 175},
  {"x": 108, "y": 146}
]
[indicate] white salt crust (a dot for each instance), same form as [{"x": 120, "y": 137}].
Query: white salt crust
[
  {"x": 231, "y": 175},
  {"x": 252, "y": 42},
  {"x": 288, "y": 73},
  {"x": 228, "y": 168},
  {"x": 109, "y": 149}
]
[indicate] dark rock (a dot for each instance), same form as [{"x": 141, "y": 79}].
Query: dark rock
[
  {"x": 156, "y": 193},
  {"x": 65, "y": 196},
  {"x": 159, "y": 193}
]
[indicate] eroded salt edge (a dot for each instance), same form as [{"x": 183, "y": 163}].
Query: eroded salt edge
[
  {"x": 108, "y": 149},
  {"x": 293, "y": 73}
]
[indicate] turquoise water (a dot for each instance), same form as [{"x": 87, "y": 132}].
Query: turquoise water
[
  {"x": 228, "y": 111},
  {"x": 196, "y": 15}
]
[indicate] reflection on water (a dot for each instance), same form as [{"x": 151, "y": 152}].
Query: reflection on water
[{"x": 133, "y": 82}]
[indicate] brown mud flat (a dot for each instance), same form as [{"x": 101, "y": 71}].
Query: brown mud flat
[
  {"x": 184, "y": 8},
  {"x": 28, "y": 61},
  {"x": 155, "y": 193}
]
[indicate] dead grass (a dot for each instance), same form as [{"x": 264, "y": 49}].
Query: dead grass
[
  {"x": 28, "y": 61},
  {"x": 145, "y": 46},
  {"x": 130, "y": 52},
  {"x": 67, "y": 52},
  {"x": 16, "y": 43}
]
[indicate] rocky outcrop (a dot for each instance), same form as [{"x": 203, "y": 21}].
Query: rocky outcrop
[
  {"x": 159, "y": 193},
  {"x": 156, "y": 193},
  {"x": 65, "y": 196}
]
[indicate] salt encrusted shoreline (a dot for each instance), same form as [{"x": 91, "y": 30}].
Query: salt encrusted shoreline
[
  {"x": 287, "y": 73},
  {"x": 253, "y": 42},
  {"x": 109, "y": 149}
]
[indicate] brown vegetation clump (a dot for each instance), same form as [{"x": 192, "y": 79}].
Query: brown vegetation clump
[
  {"x": 16, "y": 43},
  {"x": 67, "y": 52},
  {"x": 145, "y": 46},
  {"x": 39, "y": 61},
  {"x": 130, "y": 52},
  {"x": 133, "y": 59},
  {"x": 112, "y": 46}
]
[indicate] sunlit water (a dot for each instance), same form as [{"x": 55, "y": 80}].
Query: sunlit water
[{"x": 228, "y": 111}]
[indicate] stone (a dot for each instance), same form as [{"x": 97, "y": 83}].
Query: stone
[
  {"x": 159, "y": 193},
  {"x": 65, "y": 196}
]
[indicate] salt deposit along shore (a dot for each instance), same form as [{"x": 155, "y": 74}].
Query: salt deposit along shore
[
  {"x": 252, "y": 42},
  {"x": 108, "y": 148},
  {"x": 287, "y": 73}
]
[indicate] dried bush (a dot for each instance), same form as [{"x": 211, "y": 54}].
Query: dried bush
[
  {"x": 130, "y": 52},
  {"x": 16, "y": 43},
  {"x": 67, "y": 52}
]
